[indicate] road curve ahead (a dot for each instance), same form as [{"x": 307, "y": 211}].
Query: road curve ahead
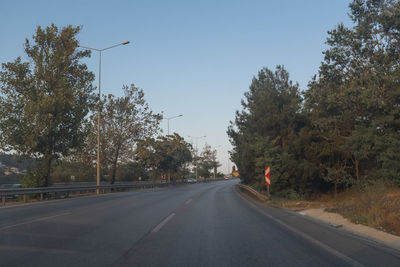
[{"x": 193, "y": 225}]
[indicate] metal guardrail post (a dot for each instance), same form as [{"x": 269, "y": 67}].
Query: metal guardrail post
[
  {"x": 254, "y": 192},
  {"x": 41, "y": 196},
  {"x": 3, "y": 200},
  {"x": 24, "y": 198}
]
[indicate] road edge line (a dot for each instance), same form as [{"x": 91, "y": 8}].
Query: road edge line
[{"x": 305, "y": 236}]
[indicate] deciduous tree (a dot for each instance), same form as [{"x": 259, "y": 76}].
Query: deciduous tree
[
  {"x": 44, "y": 102},
  {"x": 164, "y": 155},
  {"x": 125, "y": 121}
]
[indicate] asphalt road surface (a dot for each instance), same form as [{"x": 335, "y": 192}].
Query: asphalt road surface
[{"x": 191, "y": 225}]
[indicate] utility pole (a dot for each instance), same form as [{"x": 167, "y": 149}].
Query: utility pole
[
  {"x": 215, "y": 168},
  {"x": 99, "y": 111},
  {"x": 196, "y": 138}
]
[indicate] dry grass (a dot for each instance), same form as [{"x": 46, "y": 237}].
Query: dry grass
[
  {"x": 300, "y": 204},
  {"x": 377, "y": 207}
]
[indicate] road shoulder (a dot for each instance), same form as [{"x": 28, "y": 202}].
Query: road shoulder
[
  {"x": 335, "y": 220},
  {"x": 338, "y": 220}
]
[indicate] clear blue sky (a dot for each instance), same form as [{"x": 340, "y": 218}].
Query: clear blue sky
[{"x": 195, "y": 58}]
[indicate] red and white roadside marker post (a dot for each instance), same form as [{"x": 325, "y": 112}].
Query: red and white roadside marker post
[{"x": 268, "y": 180}]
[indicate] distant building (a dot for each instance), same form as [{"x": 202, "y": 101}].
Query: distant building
[{"x": 14, "y": 170}]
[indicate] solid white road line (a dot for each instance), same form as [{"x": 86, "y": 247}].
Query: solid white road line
[
  {"x": 327, "y": 248},
  {"x": 33, "y": 221},
  {"x": 161, "y": 224},
  {"x": 188, "y": 201}
]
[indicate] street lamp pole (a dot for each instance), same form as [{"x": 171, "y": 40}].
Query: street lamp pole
[
  {"x": 99, "y": 111},
  {"x": 170, "y": 118},
  {"x": 197, "y": 138}
]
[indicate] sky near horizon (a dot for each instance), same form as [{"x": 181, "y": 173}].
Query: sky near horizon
[{"x": 195, "y": 58}]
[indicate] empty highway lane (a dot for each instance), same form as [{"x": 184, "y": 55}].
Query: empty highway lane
[{"x": 192, "y": 225}]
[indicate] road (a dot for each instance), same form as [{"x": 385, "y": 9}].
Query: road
[{"x": 191, "y": 225}]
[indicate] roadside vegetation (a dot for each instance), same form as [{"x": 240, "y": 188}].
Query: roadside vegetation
[
  {"x": 340, "y": 136},
  {"x": 377, "y": 206},
  {"x": 48, "y": 115}
]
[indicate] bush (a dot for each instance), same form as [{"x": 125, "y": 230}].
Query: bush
[
  {"x": 33, "y": 177},
  {"x": 63, "y": 170},
  {"x": 289, "y": 194}
]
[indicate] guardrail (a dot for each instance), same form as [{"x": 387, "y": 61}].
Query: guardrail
[
  {"x": 41, "y": 193},
  {"x": 254, "y": 192}
]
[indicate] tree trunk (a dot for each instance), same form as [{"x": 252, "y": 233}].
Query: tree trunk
[
  {"x": 283, "y": 140},
  {"x": 357, "y": 163},
  {"x": 47, "y": 170},
  {"x": 114, "y": 170}
]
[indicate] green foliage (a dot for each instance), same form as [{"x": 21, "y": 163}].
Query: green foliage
[
  {"x": 207, "y": 162},
  {"x": 124, "y": 121},
  {"x": 354, "y": 105},
  {"x": 80, "y": 170},
  {"x": 263, "y": 132},
  {"x": 34, "y": 177},
  {"x": 165, "y": 155},
  {"x": 131, "y": 172},
  {"x": 346, "y": 130},
  {"x": 44, "y": 102}
]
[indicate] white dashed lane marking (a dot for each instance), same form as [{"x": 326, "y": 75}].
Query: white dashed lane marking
[{"x": 161, "y": 224}]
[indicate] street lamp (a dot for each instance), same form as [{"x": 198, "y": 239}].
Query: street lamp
[
  {"x": 99, "y": 111},
  {"x": 196, "y": 138},
  {"x": 170, "y": 118}
]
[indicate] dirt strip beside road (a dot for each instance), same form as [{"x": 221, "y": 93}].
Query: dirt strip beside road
[{"x": 339, "y": 221}]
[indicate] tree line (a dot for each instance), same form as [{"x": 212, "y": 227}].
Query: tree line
[
  {"x": 49, "y": 109},
  {"x": 344, "y": 129}
]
